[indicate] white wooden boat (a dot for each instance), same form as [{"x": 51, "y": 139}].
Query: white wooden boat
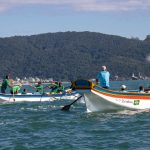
[
  {"x": 36, "y": 97},
  {"x": 100, "y": 99}
]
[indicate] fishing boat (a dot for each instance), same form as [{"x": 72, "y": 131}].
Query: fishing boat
[
  {"x": 29, "y": 97},
  {"x": 100, "y": 99}
]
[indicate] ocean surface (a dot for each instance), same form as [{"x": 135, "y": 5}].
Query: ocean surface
[{"x": 43, "y": 126}]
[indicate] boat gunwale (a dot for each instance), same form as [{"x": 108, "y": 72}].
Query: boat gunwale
[
  {"x": 34, "y": 95},
  {"x": 119, "y": 94}
]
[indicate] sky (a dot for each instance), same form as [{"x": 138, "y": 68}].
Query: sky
[{"x": 126, "y": 18}]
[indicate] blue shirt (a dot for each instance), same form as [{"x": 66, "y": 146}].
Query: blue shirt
[{"x": 103, "y": 77}]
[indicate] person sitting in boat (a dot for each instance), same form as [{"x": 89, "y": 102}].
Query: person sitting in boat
[
  {"x": 54, "y": 88},
  {"x": 24, "y": 91},
  {"x": 141, "y": 89},
  {"x": 103, "y": 76},
  {"x": 60, "y": 88},
  {"x": 123, "y": 88},
  {"x": 15, "y": 89},
  {"x": 5, "y": 84},
  {"x": 39, "y": 88}
]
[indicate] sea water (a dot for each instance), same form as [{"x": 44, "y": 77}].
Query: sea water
[{"x": 43, "y": 126}]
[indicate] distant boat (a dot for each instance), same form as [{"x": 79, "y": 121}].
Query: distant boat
[
  {"x": 140, "y": 76},
  {"x": 134, "y": 77},
  {"x": 116, "y": 77}
]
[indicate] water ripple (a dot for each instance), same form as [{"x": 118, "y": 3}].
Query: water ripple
[{"x": 44, "y": 126}]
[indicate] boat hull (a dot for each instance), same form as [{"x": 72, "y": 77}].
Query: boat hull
[
  {"x": 36, "y": 98},
  {"x": 105, "y": 100},
  {"x": 96, "y": 103}
]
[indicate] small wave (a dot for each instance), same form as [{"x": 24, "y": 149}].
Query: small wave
[
  {"x": 132, "y": 112},
  {"x": 10, "y": 122}
]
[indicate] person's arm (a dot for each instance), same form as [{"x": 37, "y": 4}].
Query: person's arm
[
  {"x": 9, "y": 83},
  {"x": 96, "y": 81},
  {"x": 62, "y": 88},
  {"x": 97, "y": 78}
]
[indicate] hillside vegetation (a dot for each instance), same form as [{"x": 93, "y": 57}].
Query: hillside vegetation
[{"x": 72, "y": 55}]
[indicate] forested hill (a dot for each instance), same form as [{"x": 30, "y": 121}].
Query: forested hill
[{"x": 72, "y": 55}]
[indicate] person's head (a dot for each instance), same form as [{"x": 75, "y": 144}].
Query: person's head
[
  {"x": 39, "y": 83},
  {"x": 56, "y": 82},
  {"x": 24, "y": 90},
  {"x": 141, "y": 88},
  {"x": 6, "y": 77},
  {"x": 123, "y": 87},
  {"x": 104, "y": 68}
]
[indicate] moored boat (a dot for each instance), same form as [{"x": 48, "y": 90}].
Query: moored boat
[
  {"x": 100, "y": 99},
  {"x": 36, "y": 97}
]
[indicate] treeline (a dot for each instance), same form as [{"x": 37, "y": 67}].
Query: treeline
[{"x": 72, "y": 55}]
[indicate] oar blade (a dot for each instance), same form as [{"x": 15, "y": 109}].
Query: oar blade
[{"x": 66, "y": 108}]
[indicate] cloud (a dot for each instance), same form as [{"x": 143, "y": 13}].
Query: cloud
[
  {"x": 82, "y": 5},
  {"x": 4, "y": 7}
]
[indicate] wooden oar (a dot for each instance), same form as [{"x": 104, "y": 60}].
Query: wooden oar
[
  {"x": 11, "y": 86},
  {"x": 67, "y": 107},
  {"x": 13, "y": 96}
]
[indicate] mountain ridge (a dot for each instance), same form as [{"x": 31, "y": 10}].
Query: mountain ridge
[{"x": 72, "y": 55}]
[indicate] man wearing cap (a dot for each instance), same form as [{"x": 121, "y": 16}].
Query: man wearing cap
[{"x": 103, "y": 76}]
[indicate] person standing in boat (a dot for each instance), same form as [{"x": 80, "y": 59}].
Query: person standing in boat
[
  {"x": 5, "y": 84},
  {"x": 103, "y": 77}
]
